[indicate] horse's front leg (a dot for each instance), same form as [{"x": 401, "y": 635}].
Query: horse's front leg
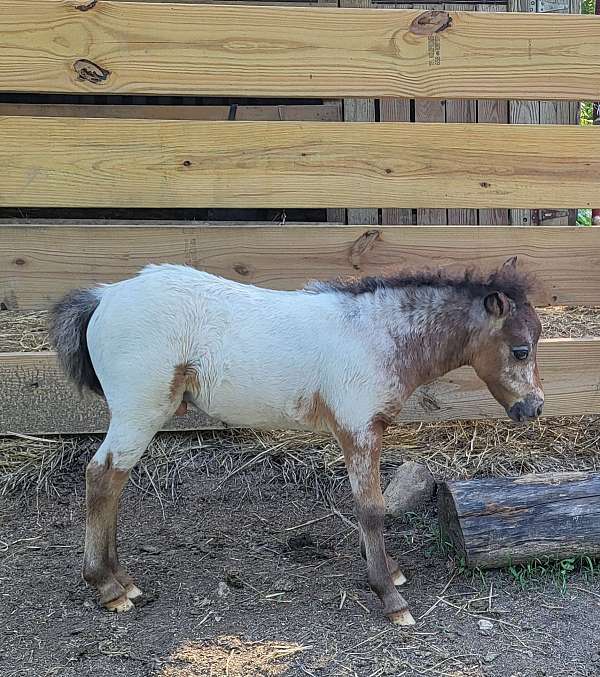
[{"x": 362, "y": 454}]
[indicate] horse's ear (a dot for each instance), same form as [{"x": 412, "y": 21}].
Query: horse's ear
[
  {"x": 497, "y": 304},
  {"x": 510, "y": 263}
]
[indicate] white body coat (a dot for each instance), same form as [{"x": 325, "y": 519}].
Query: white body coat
[{"x": 259, "y": 355}]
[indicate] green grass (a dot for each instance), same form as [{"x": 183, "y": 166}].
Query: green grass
[{"x": 559, "y": 571}]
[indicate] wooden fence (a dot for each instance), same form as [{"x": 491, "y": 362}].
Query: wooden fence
[{"x": 91, "y": 156}]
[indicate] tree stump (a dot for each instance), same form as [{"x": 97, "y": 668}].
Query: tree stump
[{"x": 501, "y": 521}]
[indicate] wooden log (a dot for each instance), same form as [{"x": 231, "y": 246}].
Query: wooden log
[
  {"x": 189, "y": 163},
  {"x": 36, "y": 398},
  {"x": 189, "y": 48},
  {"x": 501, "y": 521}
]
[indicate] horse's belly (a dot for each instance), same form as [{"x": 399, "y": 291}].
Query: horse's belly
[{"x": 252, "y": 412}]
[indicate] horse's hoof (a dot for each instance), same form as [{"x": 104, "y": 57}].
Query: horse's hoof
[
  {"x": 399, "y": 578},
  {"x": 133, "y": 592},
  {"x": 119, "y": 605},
  {"x": 403, "y": 617}
]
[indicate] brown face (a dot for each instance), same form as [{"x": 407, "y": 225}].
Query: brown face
[{"x": 507, "y": 359}]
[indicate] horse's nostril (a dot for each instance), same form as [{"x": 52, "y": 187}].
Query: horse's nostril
[{"x": 539, "y": 410}]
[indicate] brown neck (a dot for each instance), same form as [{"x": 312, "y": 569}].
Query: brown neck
[{"x": 433, "y": 338}]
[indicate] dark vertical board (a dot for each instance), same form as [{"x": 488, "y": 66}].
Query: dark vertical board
[
  {"x": 494, "y": 111},
  {"x": 335, "y": 214},
  {"x": 430, "y": 110},
  {"x": 396, "y": 110},
  {"x": 360, "y": 110},
  {"x": 461, "y": 110},
  {"x": 523, "y": 112},
  {"x": 560, "y": 113}
]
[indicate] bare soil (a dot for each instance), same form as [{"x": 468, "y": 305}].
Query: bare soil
[{"x": 255, "y": 571}]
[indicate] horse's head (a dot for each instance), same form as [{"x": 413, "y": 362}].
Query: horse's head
[{"x": 505, "y": 357}]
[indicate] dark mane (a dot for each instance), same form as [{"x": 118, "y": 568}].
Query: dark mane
[{"x": 507, "y": 279}]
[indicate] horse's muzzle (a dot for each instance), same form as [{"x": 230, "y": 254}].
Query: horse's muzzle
[{"x": 526, "y": 410}]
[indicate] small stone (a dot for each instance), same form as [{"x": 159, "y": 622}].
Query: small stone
[
  {"x": 223, "y": 589},
  {"x": 490, "y": 657},
  {"x": 150, "y": 549},
  {"x": 485, "y": 626},
  {"x": 234, "y": 578},
  {"x": 409, "y": 490}
]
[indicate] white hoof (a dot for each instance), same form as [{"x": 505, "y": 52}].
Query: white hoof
[
  {"x": 399, "y": 578},
  {"x": 120, "y": 605},
  {"x": 133, "y": 592},
  {"x": 403, "y": 617}
]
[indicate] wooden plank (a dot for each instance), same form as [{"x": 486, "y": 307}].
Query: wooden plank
[
  {"x": 188, "y": 163},
  {"x": 326, "y": 112},
  {"x": 36, "y": 399},
  {"x": 495, "y": 111},
  {"x": 494, "y": 522},
  {"x": 161, "y": 48},
  {"x": 39, "y": 263},
  {"x": 32, "y": 381}
]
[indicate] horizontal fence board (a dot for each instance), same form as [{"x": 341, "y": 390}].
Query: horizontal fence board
[
  {"x": 323, "y": 112},
  {"x": 195, "y": 49},
  {"x": 39, "y": 263},
  {"x": 37, "y": 400},
  {"x": 96, "y": 162}
]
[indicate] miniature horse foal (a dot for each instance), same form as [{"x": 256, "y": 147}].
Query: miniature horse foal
[{"x": 340, "y": 356}]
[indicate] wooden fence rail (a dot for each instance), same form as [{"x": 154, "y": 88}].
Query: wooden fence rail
[
  {"x": 40, "y": 262},
  {"x": 97, "y": 162},
  {"x": 184, "y": 48},
  {"x": 37, "y": 400}
]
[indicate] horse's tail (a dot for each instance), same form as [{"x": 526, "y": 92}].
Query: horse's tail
[{"x": 69, "y": 320}]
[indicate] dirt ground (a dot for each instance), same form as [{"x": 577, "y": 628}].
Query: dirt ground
[{"x": 253, "y": 569}]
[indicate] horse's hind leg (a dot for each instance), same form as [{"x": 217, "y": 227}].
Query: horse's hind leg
[{"x": 106, "y": 476}]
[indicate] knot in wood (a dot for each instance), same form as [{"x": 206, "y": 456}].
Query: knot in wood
[
  {"x": 362, "y": 245},
  {"x": 432, "y": 21},
  {"x": 90, "y": 72},
  {"x": 86, "y": 5}
]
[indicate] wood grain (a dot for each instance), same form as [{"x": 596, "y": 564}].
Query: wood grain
[
  {"x": 495, "y": 522},
  {"x": 162, "y": 48},
  {"x": 39, "y": 263},
  {"x": 94, "y": 162},
  {"x": 36, "y": 399}
]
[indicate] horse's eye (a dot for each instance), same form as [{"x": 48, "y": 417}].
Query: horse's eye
[{"x": 521, "y": 353}]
